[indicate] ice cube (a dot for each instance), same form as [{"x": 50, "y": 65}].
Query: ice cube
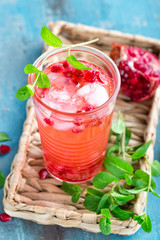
[{"x": 94, "y": 94}]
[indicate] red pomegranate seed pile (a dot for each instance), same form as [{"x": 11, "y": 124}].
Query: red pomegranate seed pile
[
  {"x": 5, "y": 217},
  {"x": 4, "y": 149},
  {"x": 139, "y": 70}
]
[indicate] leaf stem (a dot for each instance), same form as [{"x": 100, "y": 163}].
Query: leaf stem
[
  {"x": 123, "y": 143},
  {"x": 149, "y": 186},
  {"x": 33, "y": 85},
  {"x": 65, "y": 48}
]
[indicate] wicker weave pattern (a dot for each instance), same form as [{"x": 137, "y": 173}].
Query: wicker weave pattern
[{"x": 43, "y": 201}]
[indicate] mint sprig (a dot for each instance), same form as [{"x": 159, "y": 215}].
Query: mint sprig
[
  {"x": 41, "y": 79},
  {"x": 113, "y": 203}
]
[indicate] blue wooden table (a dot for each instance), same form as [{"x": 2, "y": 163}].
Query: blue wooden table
[{"x": 20, "y": 43}]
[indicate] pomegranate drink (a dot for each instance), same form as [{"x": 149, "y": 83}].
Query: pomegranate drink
[{"x": 74, "y": 114}]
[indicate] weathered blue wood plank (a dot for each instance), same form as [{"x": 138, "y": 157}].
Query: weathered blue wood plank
[{"x": 20, "y": 43}]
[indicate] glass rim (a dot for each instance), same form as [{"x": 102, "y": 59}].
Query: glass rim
[{"x": 114, "y": 94}]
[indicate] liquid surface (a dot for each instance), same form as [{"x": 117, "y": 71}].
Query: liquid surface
[{"x": 74, "y": 90}]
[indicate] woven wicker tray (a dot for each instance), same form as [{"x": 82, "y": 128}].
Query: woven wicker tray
[{"x": 42, "y": 201}]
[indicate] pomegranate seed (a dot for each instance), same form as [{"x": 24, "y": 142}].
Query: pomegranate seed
[
  {"x": 78, "y": 73},
  {"x": 87, "y": 107},
  {"x": 56, "y": 68},
  {"x": 41, "y": 92},
  {"x": 90, "y": 76},
  {"x": 68, "y": 73},
  {"x": 76, "y": 130},
  {"x": 5, "y": 217},
  {"x": 65, "y": 64},
  {"x": 49, "y": 121},
  {"x": 43, "y": 173},
  {"x": 4, "y": 149},
  {"x": 77, "y": 122},
  {"x": 100, "y": 77}
]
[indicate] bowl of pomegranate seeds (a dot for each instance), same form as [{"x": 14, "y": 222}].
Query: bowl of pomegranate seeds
[{"x": 139, "y": 70}]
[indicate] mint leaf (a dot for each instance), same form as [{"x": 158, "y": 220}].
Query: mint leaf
[
  {"x": 146, "y": 224},
  {"x": 127, "y": 136},
  {"x": 154, "y": 193},
  {"x": 139, "y": 219},
  {"x": 2, "y": 180},
  {"x": 136, "y": 190},
  {"x": 76, "y": 197},
  {"x": 123, "y": 190},
  {"x": 43, "y": 80},
  {"x": 70, "y": 188},
  {"x": 104, "y": 202},
  {"x": 105, "y": 212},
  {"x": 120, "y": 197},
  {"x": 155, "y": 168},
  {"x": 105, "y": 226},
  {"x": 141, "y": 180},
  {"x": 95, "y": 192},
  {"x": 128, "y": 179},
  {"x": 4, "y": 137},
  {"x": 102, "y": 179},
  {"x": 29, "y": 68},
  {"x": 118, "y": 126},
  {"x": 91, "y": 202},
  {"x": 121, "y": 214},
  {"x": 141, "y": 151},
  {"x": 76, "y": 64},
  {"x": 117, "y": 166},
  {"x": 114, "y": 148},
  {"x": 113, "y": 206},
  {"x": 50, "y": 38},
  {"x": 25, "y": 92}
]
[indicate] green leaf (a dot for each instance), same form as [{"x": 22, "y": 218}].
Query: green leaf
[
  {"x": 102, "y": 179},
  {"x": 50, "y": 38},
  {"x": 95, "y": 192},
  {"x": 155, "y": 168},
  {"x": 127, "y": 136},
  {"x": 113, "y": 206},
  {"x": 139, "y": 219},
  {"x": 136, "y": 190},
  {"x": 141, "y": 180},
  {"x": 76, "y": 64},
  {"x": 146, "y": 224},
  {"x": 128, "y": 179},
  {"x": 4, "y": 137},
  {"x": 154, "y": 193},
  {"x": 117, "y": 166},
  {"x": 105, "y": 202},
  {"x": 114, "y": 148},
  {"x": 2, "y": 180},
  {"x": 43, "y": 80},
  {"x": 123, "y": 190},
  {"x": 70, "y": 188},
  {"x": 25, "y": 92},
  {"x": 91, "y": 202},
  {"x": 76, "y": 197},
  {"x": 104, "y": 226},
  {"x": 29, "y": 68},
  {"x": 141, "y": 151},
  {"x": 118, "y": 126},
  {"x": 120, "y": 197},
  {"x": 121, "y": 214},
  {"x": 105, "y": 212}
]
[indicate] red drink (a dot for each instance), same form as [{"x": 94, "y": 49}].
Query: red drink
[{"x": 74, "y": 115}]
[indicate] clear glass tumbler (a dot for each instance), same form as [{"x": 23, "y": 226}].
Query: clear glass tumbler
[{"x": 69, "y": 156}]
